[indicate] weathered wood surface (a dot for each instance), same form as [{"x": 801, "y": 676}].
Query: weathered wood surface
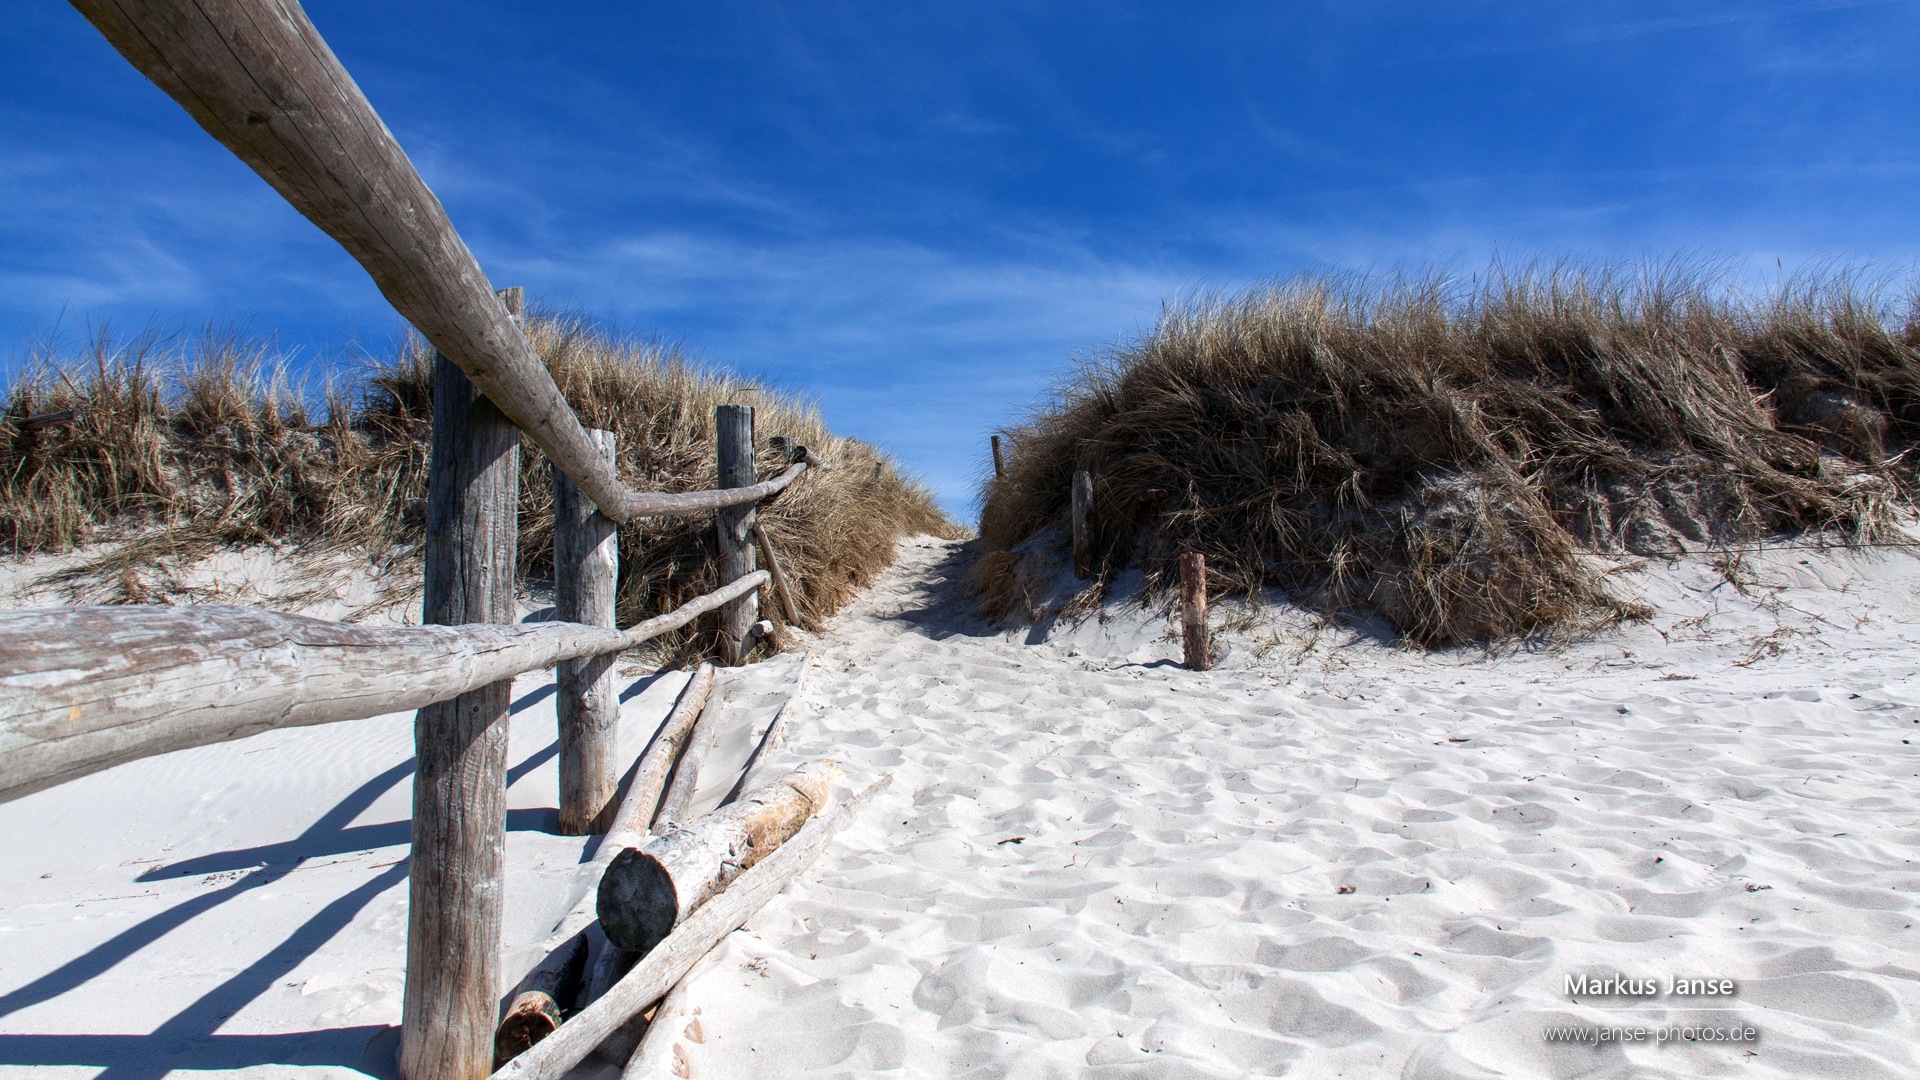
[
  {"x": 456, "y": 891},
  {"x": 789, "y": 609},
  {"x": 258, "y": 77},
  {"x": 999, "y": 463},
  {"x": 1082, "y": 526},
  {"x": 733, "y": 442},
  {"x": 687, "y": 503},
  {"x": 85, "y": 688},
  {"x": 662, "y": 968},
  {"x": 586, "y": 564},
  {"x": 534, "y": 1004},
  {"x": 1196, "y": 646},
  {"x": 650, "y": 889},
  {"x": 675, "y": 1025},
  {"x": 678, "y": 799}
]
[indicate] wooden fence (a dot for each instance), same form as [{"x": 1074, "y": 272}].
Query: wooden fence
[{"x": 83, "y": 689}]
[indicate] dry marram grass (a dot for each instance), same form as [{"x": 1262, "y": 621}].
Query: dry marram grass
[
  {"x": 179, "y": 450},
  {"x": 1446, "y": 454}
]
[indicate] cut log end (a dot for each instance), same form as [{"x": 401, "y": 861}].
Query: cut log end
[
  {"x": 637, "y": 901},
  {"x": 533, "y": 1016}
]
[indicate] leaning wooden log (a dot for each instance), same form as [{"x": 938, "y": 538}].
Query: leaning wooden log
[
  {"x": 781, "y": 591},
  {"x": 535, "y": 1002},
  {"x": 662, "y": 968},
  {"x": 648, "y": 890},
  {"x": 678, "y": 800},
  {"x": 86, "y": 688},
  {"x": 674, "y": 1025},
  {"x": 258, "y": 77}
]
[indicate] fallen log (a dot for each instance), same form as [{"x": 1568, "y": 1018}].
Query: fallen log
[
  {"x": 86, "y": 688},
  {"x": 648, "y": 890},
  {"x": 534, "y": 1004},
  {"x": 674, "y": 805},
  {"x": 657, "y": 973}
]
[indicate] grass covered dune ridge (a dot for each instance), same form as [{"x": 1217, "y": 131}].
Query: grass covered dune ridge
[
  {"x": 1446, "y": 453},
  {"x": 180, "y": 449}
]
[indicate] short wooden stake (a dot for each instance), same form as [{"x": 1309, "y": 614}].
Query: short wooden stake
[
  {"x": 1193, "y": 611},
  {"x": 733, "y": 434},
  {"x": 456, "y": 885},
  {"x": 1082, "y": 538},
  {"x": 999, "y": 463},
  {"x": 586, "y": 564}
]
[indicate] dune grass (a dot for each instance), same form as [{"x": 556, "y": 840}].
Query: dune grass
[
  {"x": 1447, "y": 453},
  {"x": 177, "y": 450}
]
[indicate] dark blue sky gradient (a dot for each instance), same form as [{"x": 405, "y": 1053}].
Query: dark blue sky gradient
[{"x": 919, "y": 213}]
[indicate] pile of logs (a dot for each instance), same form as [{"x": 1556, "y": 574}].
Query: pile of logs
[{"x": 670, "y": 888}]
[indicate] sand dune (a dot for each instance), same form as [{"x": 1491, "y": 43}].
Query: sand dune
[{"x": 1331, "y": 857}]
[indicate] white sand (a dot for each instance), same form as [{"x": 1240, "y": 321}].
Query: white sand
[{"x": 1727, "y": 792}]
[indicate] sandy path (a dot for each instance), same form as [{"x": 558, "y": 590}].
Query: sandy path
[{"x": 1368, "y": 864}]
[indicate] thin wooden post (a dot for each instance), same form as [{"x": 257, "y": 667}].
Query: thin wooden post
[
  {"x": 1193, "y": 612},
  {"x": 781, "y": 590},
  {"x": 999, "y": 465},
  {"x": 1082, "y": 540},
  {"x": 586, "y": 563},
  {"x": 460, "y": 746},
  {"x": 733, "y": 434}
]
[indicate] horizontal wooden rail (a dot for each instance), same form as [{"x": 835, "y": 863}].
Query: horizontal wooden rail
[
  {"x": 86, "y": 688},
  {"x": 665, "y": 504}
]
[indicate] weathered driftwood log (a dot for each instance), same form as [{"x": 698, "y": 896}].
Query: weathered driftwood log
[
  {"x": 733, "y": 443},
  {"x": 788, "y": 608},
  {"x": 662, "y": 968},
  {"x": 534, "y": 1005},
  {"x": 675, "y": 1024},
  {"x": 86, "y": 688},
  {"x": 1196, "y": 648},
  {"x": 675, "y": 804},
  {"x": 1082, "y": 527},
  {"x": 259, "y": 78},
  {"x": 586, "y": 563},
  {"x": 999, "y": 463},
  {"x": 648, "y": 890},
  {"x": 455, "y": 881}
]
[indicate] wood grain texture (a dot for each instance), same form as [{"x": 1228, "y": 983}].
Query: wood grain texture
[
  {"x": 86, "y": 688},
  {"x": 586, "y": 565},
  {"x": 456, "y": 886},
  {"x": 733, "y": 439},
  {"x": 259, "y": 78},
  {"x": 776, "y": 732},
  {"x": 662, "y": 968},
  {"x": 1195, "y": 643},
  {"x": 650, "y": 889}
]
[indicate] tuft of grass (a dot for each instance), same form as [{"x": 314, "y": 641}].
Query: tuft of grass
[
  {"x": 180, "y": 449},
  {"x": 1447, "y": 453}
]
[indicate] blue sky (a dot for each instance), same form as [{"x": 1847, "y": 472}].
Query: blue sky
[{"x": 919, "y": 214}]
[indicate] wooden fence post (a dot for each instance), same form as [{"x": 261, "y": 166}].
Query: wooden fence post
[
  {"x": 999, "y": 464},
  {"x": 460, "y": 746},
  {"x": 1193, "y": 612},
  {"x": 1082, "y": 540},
  {"x": 586, "y": 564},
  {"x": 733, "y": 434}
]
